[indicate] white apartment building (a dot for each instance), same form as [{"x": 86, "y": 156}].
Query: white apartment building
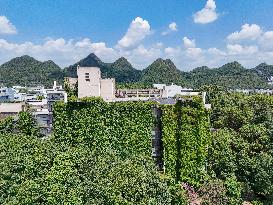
[{"x": 90, "y": 84}]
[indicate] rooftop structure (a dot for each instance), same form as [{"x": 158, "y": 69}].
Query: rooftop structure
[{"x": 11, "y": 109}]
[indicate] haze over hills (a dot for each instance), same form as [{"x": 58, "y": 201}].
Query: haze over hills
[{"x": 26, "y": 70}]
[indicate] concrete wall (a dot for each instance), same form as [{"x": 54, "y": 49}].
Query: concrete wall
[
  {"x": 88, "y": 82},
  {"x": 107, "y": 89}
]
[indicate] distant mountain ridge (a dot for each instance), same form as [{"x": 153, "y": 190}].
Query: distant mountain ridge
[
  {"x": 231, "y": 75},
  {"x": 26, "y": 70}
]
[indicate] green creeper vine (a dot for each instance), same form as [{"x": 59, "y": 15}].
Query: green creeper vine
[
  {"x": 186, "y": 138},
  {"x": 125, "y": 127}
]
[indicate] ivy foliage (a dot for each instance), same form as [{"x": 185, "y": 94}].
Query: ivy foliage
[
  {"x": 125, "y": 127},
  {"x": 186, "y": 137}
]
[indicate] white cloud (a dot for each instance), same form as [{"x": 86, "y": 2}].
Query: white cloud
[
  {"x": 247, "y": 32},
  {"x": 188, "y": 43},
  {"x": 172, "y": 52},
  {"x": 216, "y": 51},
  {"x": 59, "y": 50},
  {"x": 266, "y": 41},
  {"x": 235, "y": 49},
  {"x": 207, "y": 14},
  {"x": 159, "y": 45},
  {"x": 137, "y": 31},
  {"x": 6, "y": 27},
  {"x": 141, "y": 56},
  {"x": 193, "y": 52},
  {"x": 171, "y": 28}
]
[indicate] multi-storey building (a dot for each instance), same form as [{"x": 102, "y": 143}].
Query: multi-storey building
[{"x": 90, "y": 84}]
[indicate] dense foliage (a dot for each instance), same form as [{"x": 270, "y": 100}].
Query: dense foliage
[
  {"x": 264, "y": 70},
  {"x": 242, "y": 144},
  {"x": 231, "y": 75},
  {"x": 100, "y": 124},
  {"x": 27, "y": 71}
]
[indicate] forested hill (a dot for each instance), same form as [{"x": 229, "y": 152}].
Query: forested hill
[
  {"x": 264, "y": 70},
  {"x": 26, "y": 70},
  {"x": 162, "y": 71},
  {"x": 231, "y": 75}
]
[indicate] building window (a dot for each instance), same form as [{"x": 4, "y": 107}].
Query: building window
[{"x": 87, "y": 77}]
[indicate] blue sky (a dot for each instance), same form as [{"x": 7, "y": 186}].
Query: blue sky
[{"x": 190, "y": 32}]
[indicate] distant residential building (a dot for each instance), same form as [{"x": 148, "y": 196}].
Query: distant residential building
[
  {"x": 54, "y": 96},
  {"x": 139, "y": 93},
  {"x": 44, "y": 121},
  {"x": 7, "y": 94},
  {"x": 90, "y": 84},
  {"x": 42, "y": 108}
]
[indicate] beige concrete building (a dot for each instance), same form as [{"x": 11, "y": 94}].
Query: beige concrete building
[{"x": 90, "y": 84}]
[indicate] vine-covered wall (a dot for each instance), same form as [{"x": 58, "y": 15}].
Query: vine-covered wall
[
  {"x": 186, "y": 137},
  {"x": 124, "y": 127}
]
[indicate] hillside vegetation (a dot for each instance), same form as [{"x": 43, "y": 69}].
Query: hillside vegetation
[{"x": 27, "y": 71}]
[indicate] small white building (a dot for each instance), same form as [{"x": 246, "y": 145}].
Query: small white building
[{"x": 170, "y": 91}]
